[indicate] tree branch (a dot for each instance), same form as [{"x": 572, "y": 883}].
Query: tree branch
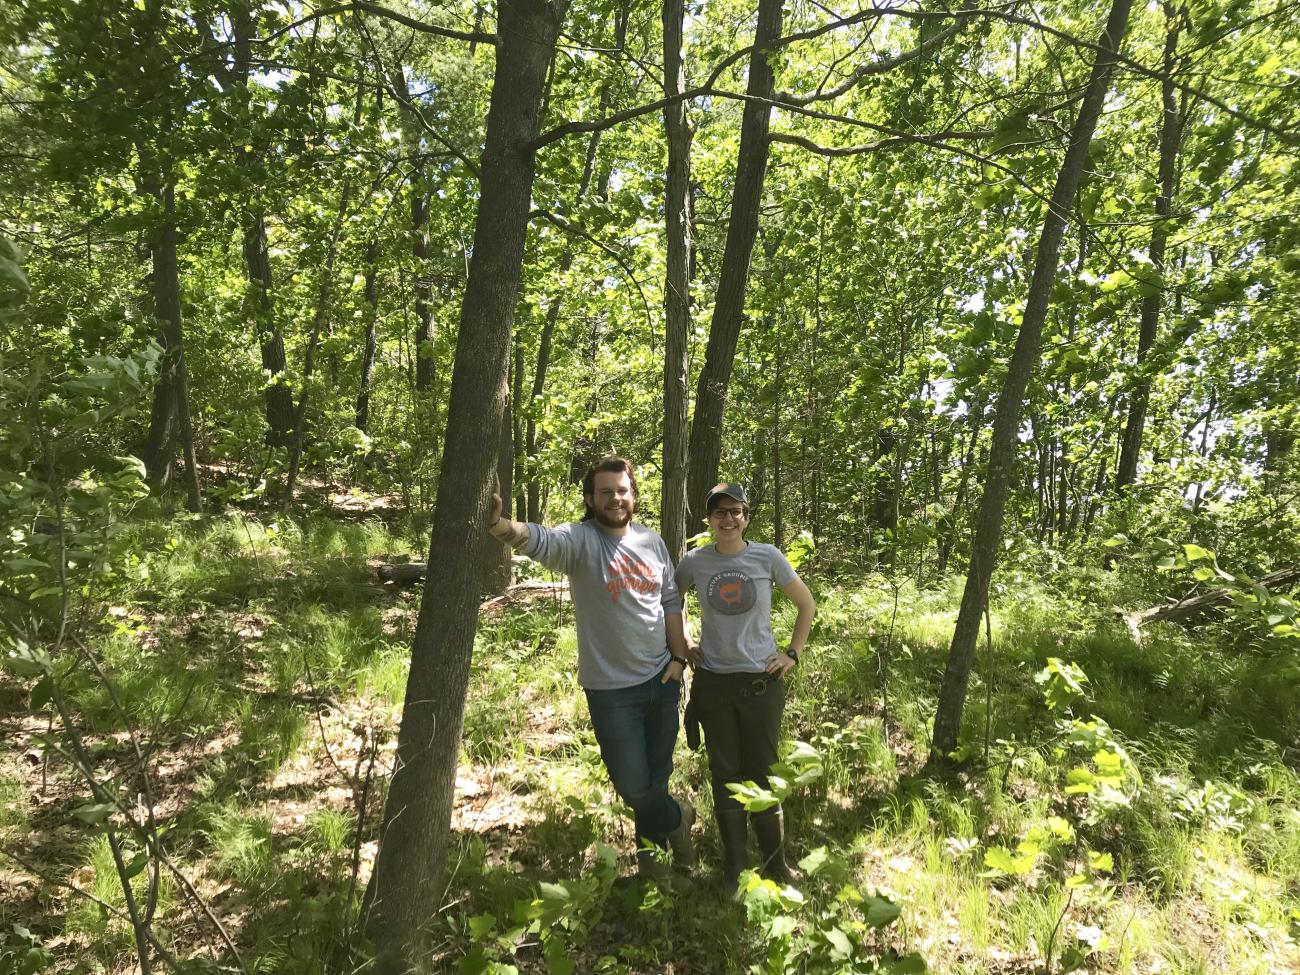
[
  {"x": 1288, "y": 136},
  {"x": 572, "y": 228},
  {"x": 364, "y": 6},
  {"x": 870, "y": 68}
]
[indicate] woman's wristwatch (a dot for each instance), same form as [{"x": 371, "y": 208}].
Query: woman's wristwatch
[{"x": 793, "y": 654}]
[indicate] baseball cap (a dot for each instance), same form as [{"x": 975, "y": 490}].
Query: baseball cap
[{"x": 729, "y": 490}]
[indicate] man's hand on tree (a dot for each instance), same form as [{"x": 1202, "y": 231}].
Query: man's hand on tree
[{"x": 513, "y": 533}]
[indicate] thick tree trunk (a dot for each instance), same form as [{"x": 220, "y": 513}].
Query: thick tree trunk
[
  {"x": 729, "y": 306},
  {"x": 677, "y": 286},
  {"x": 1149, "y": 321},
  {"x": 404, "y": 889},
  {"x": 1006, "y": 424}
]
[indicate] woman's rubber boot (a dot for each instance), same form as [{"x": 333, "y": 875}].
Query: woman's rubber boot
[
  {"x": 769, "y": 829},
  {"x": 733, "y": 831}
]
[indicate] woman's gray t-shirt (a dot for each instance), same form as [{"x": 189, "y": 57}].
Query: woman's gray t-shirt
[
  {"x": 735, "y": 597},
  {"x": 622, "y": 587}
]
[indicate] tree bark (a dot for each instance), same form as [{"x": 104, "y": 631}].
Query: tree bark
[
  {"x": 170, "y": 418},
  {"x": 1149, "y": 321},
  {"x": 260, "y": 321},
  {"x": 371, "y": 300},
  {"x": 420, "y": 197},
  {"x": 1190, "y": 610},
  {"x": 1006, "y": 423},
  {"x": 498, "y": 569},
  {"x": 259, "y": 307},
  {"x": 546, "y": 341},
  {"x": 729, "y": 306},
  {"x": 677, "y": 286},
  {"x": 324, "y": 299},
  {"x": 404, "y": 889}
]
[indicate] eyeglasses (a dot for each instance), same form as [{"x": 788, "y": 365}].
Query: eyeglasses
[{"x": 721, "y": 513}]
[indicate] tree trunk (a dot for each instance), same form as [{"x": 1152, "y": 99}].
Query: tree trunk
[
  {"x": 948, "y": 533},
  {"x": 371, "y": 299},
  {"x": 778, "y": 387},
  {"x": 534, "y": 487},
  {"x": 1149, "y": 321},
  {"x": 498, "y": 570},
  {"x": 171, "y": 408},
  {"x": 729, "y": 306},
  {"x": 324, "y": 298},
  {"x": 1197, "y": 607},
  {"x": 259, "y": 310},
  {"x": 546, "y": 342},
  {"x": 1006, "y": 423},
  {"x": 259, "y": 316},
  {"x": 420, "y": 197},
  {"x": 677, "y": 286},
  {"x": 517, "y": 432},
  {"x": 407, "y": 880}
]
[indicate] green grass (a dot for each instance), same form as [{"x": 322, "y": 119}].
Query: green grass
[
  {"x": 243, "y": 626},
  {"x": 14, "y": 813}
]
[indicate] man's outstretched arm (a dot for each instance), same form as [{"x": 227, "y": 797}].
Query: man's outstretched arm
[{"x": 513, "y": 533}]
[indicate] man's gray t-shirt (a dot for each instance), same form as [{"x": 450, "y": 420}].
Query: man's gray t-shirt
[
  {"x": 622, "y": 585},
  {"x": 735, "y": 597}
]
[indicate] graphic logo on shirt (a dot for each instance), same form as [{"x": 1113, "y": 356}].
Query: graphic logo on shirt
[
  {"x": 626, "y": 572},
  {"x": 731, "y": 593}
]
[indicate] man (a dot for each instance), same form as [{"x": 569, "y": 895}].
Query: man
[{"x": 631, "y": 647}]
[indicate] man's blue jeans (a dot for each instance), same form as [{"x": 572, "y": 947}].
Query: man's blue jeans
[{"x": 636, "y": 728}]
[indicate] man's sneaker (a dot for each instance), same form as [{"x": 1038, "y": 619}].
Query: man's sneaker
[{"x": 680, "y": 839}]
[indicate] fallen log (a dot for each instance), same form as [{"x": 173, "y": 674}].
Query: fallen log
[
  {"x": 1190, "y": 610},
  {"x": 403, "y": 574}
]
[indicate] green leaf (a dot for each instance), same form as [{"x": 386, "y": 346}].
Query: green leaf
[
  {"x": 999, "y": 859},
  {"x": 782, "y": 926},
  {"x": 137, "y": 864},
  {"x": 1196, "y": 553},
  {"x": 881, "y": 911},
  {"x": 912, "y": 964},
  {"x": 554, "y": 892},
  {"x": 94, "y": 814},
  {"x": 481, "y": 926},
  {"x": 558, "y": 961},
  {"x": 814, "y": 861},
  {"x": 841, "y": 946},
  {"x": 42, "y": 693}
]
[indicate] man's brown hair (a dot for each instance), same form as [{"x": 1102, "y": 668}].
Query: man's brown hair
[{"x": 609, "y": 465}]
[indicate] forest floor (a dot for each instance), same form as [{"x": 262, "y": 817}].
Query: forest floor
[{"x": 1144, "y": 818}]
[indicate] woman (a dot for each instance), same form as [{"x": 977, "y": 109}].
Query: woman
[{"x": 738, "y": 692}]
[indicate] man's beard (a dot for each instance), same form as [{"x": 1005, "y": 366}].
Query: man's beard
[{"x": 609, "y": 520}]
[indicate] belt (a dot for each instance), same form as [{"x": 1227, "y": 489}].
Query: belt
[{"x": 744, "y": 686}]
